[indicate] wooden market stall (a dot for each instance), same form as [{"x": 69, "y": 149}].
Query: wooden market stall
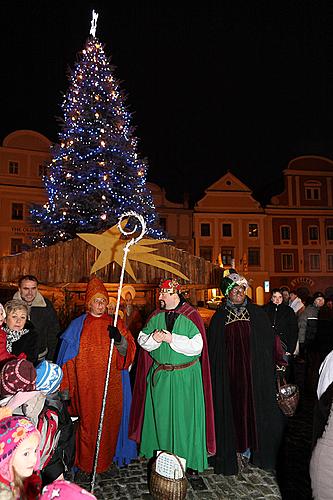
[{"x": 63, "y": 271}]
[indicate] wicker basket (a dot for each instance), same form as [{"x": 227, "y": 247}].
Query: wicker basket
[
  {"x": 287, "y": 397},
  {"x": 164, "y": 488}
]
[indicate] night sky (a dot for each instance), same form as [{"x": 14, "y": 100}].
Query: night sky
[{"x": 240, "y": 86}]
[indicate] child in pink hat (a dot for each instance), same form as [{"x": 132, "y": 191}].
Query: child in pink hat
[{"x": 19, "y": 459}]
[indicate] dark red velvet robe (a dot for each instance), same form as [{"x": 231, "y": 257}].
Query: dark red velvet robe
[{"x": 269, "y": 420}]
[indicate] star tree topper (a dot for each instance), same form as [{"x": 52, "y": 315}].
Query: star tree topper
[{"x": 112, "y": 247}]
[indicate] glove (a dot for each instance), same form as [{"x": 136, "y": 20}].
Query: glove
[{"x": 114, "y": 333}]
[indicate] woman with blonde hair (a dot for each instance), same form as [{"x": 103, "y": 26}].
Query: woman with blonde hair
[{"x": 21, "y": 336}]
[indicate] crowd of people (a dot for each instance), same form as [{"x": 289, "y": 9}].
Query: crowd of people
[{"x": 137, "y": 385}]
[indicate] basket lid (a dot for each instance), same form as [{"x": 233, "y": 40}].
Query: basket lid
[{"x": 169, "y": 465}]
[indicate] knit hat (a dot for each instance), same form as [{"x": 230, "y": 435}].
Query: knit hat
[
  {"x": 49, "y": 376},
  {"x": 65, "y": 489},
  {"x": 231, "y": 279},
  {"x": 17, "y": 375},
  {"x": 317, "y": 294},
  {"x": 96, "y": 289},
  {"x": 13, "y": 430},
  {"x": 170, "y": 286}
]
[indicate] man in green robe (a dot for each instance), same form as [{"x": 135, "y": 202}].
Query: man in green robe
[{"x": 174, "y": 413}]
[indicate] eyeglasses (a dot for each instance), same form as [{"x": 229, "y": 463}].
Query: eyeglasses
[
  {"x": 99, "y": 301},
  {"x": 237, "y": 291}
]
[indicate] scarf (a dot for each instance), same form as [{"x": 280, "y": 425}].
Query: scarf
[
  {"x": 12, "y": 336},
  {"x": 237, "y": 308},
  {"x": 236, "y": 312}
]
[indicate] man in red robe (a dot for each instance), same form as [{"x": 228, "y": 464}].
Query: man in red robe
[{"x": 84, "y": 356}]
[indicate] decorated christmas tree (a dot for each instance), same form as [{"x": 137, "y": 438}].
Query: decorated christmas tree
[{"x": 96, "y": 173}]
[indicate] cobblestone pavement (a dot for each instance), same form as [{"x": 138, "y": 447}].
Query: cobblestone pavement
[
  {"x": 131, "y": 483},
  {"x": 291, "y": 481}
]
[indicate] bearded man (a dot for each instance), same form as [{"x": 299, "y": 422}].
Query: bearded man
[{"x": 172, "y": 405}]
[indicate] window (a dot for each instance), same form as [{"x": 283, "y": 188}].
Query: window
[
  {"x": 163, "y": 223},
  {"x": 287, "y": 262},
  {"x": 206, "y": 253},
  {"x": 227, "y": 256},
  {"x": 254, "y": 257},
  {"x": 42, "y": 170},
  {"x": 17, "y": 211},
  {"x": 312, "y": 190},
  {"x": 226, "y": 230},
  {"x": 13, "y": 167},
  {"x": 314, "y": 262},
  {"x": 313, "y": 233},
  {"x": 253, "y": 231},
  {"x": 312, "y": 193},
  {"x": 16, "y": 245},
  {"x": 285, "y": 233},
  {"x": 205, "y": 229},
  {"x": 330, "y": 262},
  {"x": 329, "y": 233}
]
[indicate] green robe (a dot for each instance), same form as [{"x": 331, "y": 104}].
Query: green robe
[{"x": 174, "y": 417}]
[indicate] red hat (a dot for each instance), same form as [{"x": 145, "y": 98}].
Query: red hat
[
  {"x": 96, "y": 289},
  {"x": 170, "y": 286},
  {"x": 17, "y": 375}
]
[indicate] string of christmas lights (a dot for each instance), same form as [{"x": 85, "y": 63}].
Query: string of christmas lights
[{"x": 95, "y": 174}]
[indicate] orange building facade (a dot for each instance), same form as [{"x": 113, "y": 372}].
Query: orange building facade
[
  {"x": 22, "y": 166},
  {"x": 287, "y": 242},
  {"x": 24, "y": 156}
]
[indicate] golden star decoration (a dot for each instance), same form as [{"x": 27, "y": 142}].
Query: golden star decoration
[{"x": 112, "y": 246}]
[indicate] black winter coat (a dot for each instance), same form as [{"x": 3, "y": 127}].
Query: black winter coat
[
  {"x": 284, "y": 321},
  {"x": 28, "y": 344},
  {"x": 46, "y": 322}
]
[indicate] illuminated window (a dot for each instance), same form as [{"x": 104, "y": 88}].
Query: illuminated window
[
  {"x": 227, "y": 255},
  {"x": 253, "y": 231}
]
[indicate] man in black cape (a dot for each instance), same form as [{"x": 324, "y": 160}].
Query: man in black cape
[{"x": 248, "y": 421}]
